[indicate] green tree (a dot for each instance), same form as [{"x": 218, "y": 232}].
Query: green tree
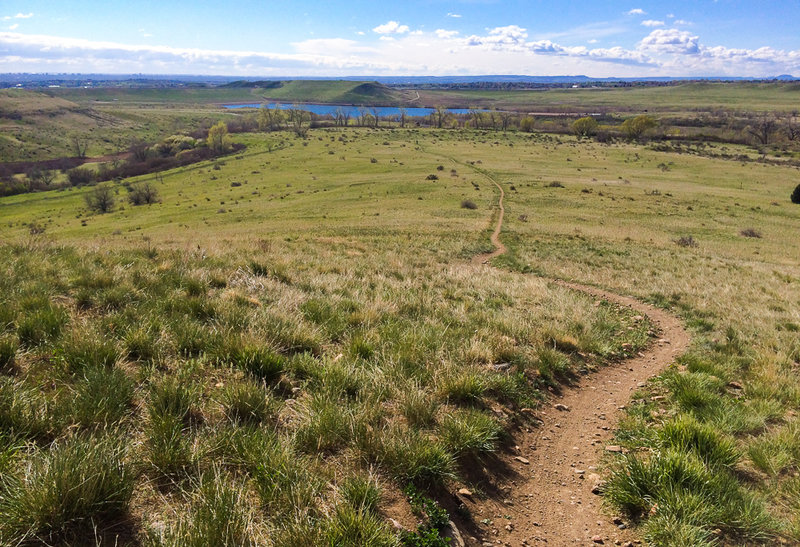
[
  {"x": 585, "y": 127},
  {"x": 635, "y": 128},
  {"x": 526, "y": 124},
  {"x": 218, "y": 139}
]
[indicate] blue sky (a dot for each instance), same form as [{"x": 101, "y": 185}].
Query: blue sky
[{"x": 413, "y": 37}]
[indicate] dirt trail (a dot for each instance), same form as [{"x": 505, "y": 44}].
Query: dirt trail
[{"x": 547, "y": 485}]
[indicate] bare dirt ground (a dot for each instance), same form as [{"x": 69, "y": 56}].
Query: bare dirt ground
[{"x": 540, "y": 491}]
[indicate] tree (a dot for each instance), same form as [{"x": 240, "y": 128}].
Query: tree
[
  {"x": 143, "y": 194},
  {"x": 100, "y": 199},
  {"x": 218, "y": 139},
  {"x": 763, "y": 128},
  {"x": 477, "y": 117},
  {"x": 79, "y": 146},
  {"x": 402, "y": 116},
  {"x": 585, "y": 127},
  {"x": 139, "y": 149},
  {"x": 505, "y": 119},
  {"x": 440, "y": 114},
  {"x": 526, "y": 124},
  {"x": 796, "y": 195},
  {"x": 38, "y": 177},
  {"x": 298, "y": 118},
  {"x": 635, "y": 128}
]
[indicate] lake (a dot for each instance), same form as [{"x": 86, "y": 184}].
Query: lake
[{"x": 352, "y": 111}]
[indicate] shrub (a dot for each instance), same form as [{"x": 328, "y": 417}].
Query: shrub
[
  {"x": 100, "y": 199},
  {"x": 143, "y": 194},
  {"x": 796, "y": 194},
  {"x": 686, "y": 241},
  {"x": 750, "y": 232},
  {"x": 468, "y": 204},
  {"x": 585, "y": 127},
  {"x": 72, "y": 487},
  {"x": 81, "y": 175}
]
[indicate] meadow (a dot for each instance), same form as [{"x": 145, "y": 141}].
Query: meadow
[{"x": 292, "y": 345}]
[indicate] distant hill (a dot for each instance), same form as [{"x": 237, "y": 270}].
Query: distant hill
[{"x": 323, "y": 91}]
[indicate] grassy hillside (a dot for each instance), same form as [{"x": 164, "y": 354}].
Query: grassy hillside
[{"x": 291, "y": 337}]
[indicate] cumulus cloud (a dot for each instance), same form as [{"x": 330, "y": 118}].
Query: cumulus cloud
[
  {"x": 670, "y": 41},
  {"x": 18, "y": 16},
  {"x": 652, "y": 23},
  {"x": 391, "y": 27},
  {"x": 444, "y": 34},
  {"x": 637, "y": 11}
]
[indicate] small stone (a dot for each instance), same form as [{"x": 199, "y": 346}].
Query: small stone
[
  {"x": 465, "y": 492},
  {"x": 520, "y": 459},
  {"x": 509, "y": 527},
  {"x": 735, "y": 385},
  {"x": 580, "y": 471},
  {"x": 561, "y": 407},
  {"x": 617, "y": 520},
  {"x": 597, "y": 539},
  {"x": 613, "y": 448}
]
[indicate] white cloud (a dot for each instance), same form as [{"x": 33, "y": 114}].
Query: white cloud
[
  {"x": 670, "y": 41},
  {"x": 442, "y": 33},
  {"x": 652, "y": 23},
  {"x": 682, "y": 22},
  {"x": 454, "y": 15},
  {"x": 18, "y": 16},
  {"x": 392, "y": 27},
  {"x": 15, "y": 26},
  {"x": 593, "y": 41},
  {"x": 637, "y": 11},
  {"x": 508, "y": 49}
]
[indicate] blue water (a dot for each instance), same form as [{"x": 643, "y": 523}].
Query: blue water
[{"x": 352, "y": 111}]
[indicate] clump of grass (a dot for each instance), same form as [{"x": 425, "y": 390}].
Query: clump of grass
[
  {"x": 247, "y": 402},
  {"x": 169, "y": 409},
  {"x": 8, "y": 353},
  {"x": 143, "y": 344},
  {"x": 65, "y": 491},
  {"x": 25, "y": 411},
  {"x": 328, "y": 424},
  {"x": 409, "y": 456},
  {"x": 362, "y": 493},
  {"x": 86, "y": 349},
  {"x": 468, "y": 204},
  {"x": 673, "y": 486},
  {"x": 102, "y": 397},
  {"x": 418, "y": 407},
  {"x": 351, "y": 526},
  {"x": 685, "y": 434},
  {"x": 220, "y": 515},
  {"x": 260, "y": 362},
  {"x": 41, "y": 325},
  {"x": 469, "y": 432},
  {"x": 776, "y": 451},
  {"x": 465, "y": 387}
]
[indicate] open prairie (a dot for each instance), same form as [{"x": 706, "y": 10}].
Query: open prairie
[{"x": 292, "y": 344}]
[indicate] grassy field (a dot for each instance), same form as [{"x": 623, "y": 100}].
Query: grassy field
[
  {"x": 682, "y": 98},
  {"x": 292, "y": 337}
]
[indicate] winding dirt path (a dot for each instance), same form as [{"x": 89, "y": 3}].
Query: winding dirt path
[{"x": 546, "y": 487}]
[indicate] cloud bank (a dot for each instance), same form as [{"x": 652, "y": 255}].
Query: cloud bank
[{"x": 506, "y": 49}]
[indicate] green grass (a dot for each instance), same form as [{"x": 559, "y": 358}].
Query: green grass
[{"x": 320, "y": 321}]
